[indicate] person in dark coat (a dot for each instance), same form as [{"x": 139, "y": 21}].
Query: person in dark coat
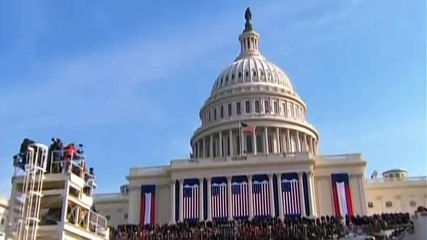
[
  {"x": 54, "y": 154},
  {"x": 20, "y": 159},
  {"x": 24, "y": 149}
]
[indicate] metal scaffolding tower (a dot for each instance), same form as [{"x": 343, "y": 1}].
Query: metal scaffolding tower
[{"x": 32, "y": 187}]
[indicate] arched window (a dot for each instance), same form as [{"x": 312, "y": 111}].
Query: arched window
[
  {"x": 257, "y": 108},
  {"x": 249, "y": 148},
  {"x": 276, "y": 107},
  {"x": 229, "y": 109},
  {"x": 267, "y": 106},
  {"x": 210, "y": 116},
  {"x": 248, "y": 106},
  {"x": 284, "y": 109},
  {"x": 222, "y": 112},
  {"x": 214, "y": 113},
  {"x": 259, "y": 143},
  {"x": 238, "y": 108}
]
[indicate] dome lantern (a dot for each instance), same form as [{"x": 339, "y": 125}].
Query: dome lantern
[{"x": 248, "y": 39}]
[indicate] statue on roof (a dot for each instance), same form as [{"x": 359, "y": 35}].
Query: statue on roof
[{"x": 248, "y": 18}]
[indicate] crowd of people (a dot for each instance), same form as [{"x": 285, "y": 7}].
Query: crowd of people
[
  {"x": 327, "y": 227},
  {"x": 60, "y": 158},
  {"x": 57, "y": 152}
]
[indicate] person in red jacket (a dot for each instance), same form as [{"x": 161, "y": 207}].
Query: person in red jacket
[{"x": 69, "y": 151}]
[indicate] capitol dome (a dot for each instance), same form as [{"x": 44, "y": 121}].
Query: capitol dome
[
  {"x": 251, "y": 68},
  {"x": 252, "y": 92}
]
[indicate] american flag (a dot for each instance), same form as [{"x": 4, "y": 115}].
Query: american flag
[
  {"x": 240, "y": 198},
  {"x": 290, "y": 197},
  {"x": 219, "y": 200},
  {"x": 191, "y": 202},
  {"x": 261, "y": 198},
  {"x": 248, "y": 128}
]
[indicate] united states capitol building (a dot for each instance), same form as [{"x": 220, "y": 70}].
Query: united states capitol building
[{"x": 256, "y": 155}]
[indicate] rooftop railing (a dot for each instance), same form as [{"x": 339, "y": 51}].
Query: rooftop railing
[
  {"x": 102, "y": 196},
  {"x": 394, "y": 180},
  {"x": 348, "y": 157},
  {"x": 148, "y": 170}
]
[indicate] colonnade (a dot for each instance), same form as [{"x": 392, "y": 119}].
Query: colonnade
[
  {"x": 264, "y": 140},
  {"x": 308, "y": 200}
]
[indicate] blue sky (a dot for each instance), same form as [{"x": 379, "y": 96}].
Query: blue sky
[{"x": 128, "y": 79}]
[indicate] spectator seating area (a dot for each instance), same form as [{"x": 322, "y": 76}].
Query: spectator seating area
[{"x": 327, "y": 227}]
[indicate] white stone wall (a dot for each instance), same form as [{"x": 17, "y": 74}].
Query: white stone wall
[
  {"x": 396, "y": 196},
  {"x": 115, "y": 210},
  {"x": 321, "y": 169}
]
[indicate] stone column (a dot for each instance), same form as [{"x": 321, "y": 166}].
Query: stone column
[
  {"x": 266, "y": 140},
  {"x": 209, "y": 198},
  {"x": 278, "y": 141},
  {"x": 301, "y": 195},
  {"x": 205, "y": 148},
  {"x": 311, "y": 199},
  {"x": 201, "y": 200},
  {"x": 231, "y": 142},
  {"x": 211, "y": 146},
  {"x": 181, "y": 199},
  {"x": 240, "y": 141},
  {"x": 288, "y": 137},
  {"x": 220, "y": 144},
  {"x": 254, "y": 143},
  {"x": 305, "y": 143},
  {"x": 272, "y": 209},
  {"x": 315, "y": 147},
  {"x": 229, "y": 197},
  {"x": 251, "y": 203},
  {"x": 279, "y": 194},
  {"x": 172, "y": 199},
  {"x": 298, "y": 142}
]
